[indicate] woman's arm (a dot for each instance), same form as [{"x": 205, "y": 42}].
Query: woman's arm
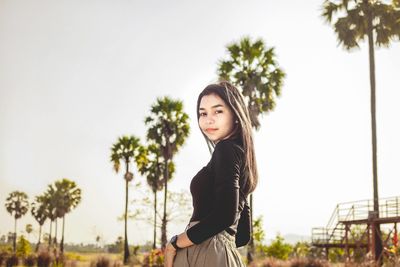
[
  {"x": 244, "y": 227},
  {"x": 182, "y": 242}
]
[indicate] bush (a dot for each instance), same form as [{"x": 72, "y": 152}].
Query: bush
[
  {"x": 101, "y": 261},
  {"x": 59, "y": 260},
  {"x": 3, "y": 257},
  {"x": 118, "y": 264},
  {"x": 44, "y": 259},
  {"x": 30, "y": 260},
  {"x": 12, "y": 260},
  {"x": 23, "y": 247},
  {"x": 304, "y": 262},
  {"x": 270, "y": 263},
  {"x": 279, "y": 249},
  {"x": 154, "y": 259}
]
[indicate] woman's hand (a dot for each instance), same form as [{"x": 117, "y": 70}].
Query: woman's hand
[{"x": 169, "y": 255}]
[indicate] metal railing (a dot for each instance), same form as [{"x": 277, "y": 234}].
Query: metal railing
[{"x": 353, "y": 211}]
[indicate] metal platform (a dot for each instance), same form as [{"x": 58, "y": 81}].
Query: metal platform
[{"x": 359, "y": 215}]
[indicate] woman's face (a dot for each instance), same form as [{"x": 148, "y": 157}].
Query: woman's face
[{"x": 216, "y": 119}]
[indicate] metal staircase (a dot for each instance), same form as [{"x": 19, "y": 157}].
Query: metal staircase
[{"x": 350, "y": 213}]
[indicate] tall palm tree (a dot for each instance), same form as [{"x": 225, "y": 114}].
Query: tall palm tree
[
  {"x": 69, "y": 196},
  {"x": 39, "y": 212},
  {"x": 153, "y": 169},
  {"x": 169, "y": 128},
  {"x": 126, "y": 149},
  {"x": 17, "y": 205},
  {"x": 353, "y": 21},
  {"x": 254, "y": 69},
  {"x": 52, "y": 199}
]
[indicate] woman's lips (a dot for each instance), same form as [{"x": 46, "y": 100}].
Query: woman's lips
[{"x": 211, "y": 130}]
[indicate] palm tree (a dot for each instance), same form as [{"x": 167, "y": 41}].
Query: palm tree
[
  {"x": 17, "y": 205},
  {"x": 39, "y": 212},
  {"x": 69, "y": 196},
  {"x": 52, "y": 201},
  {"x": 169, "y": 128},
  {"x": 153, "y": 169},
  {"x": 253, "y": 68},
  {"x": 380, "y": 23},
  {"x": 126, "y": 149}
]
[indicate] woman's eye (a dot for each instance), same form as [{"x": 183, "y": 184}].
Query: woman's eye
[
  {"x": 202, "y": 114},
  {"x": 218, "y": 111}
]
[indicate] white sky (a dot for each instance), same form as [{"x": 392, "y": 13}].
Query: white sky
[{"x": 76, "y": 75}]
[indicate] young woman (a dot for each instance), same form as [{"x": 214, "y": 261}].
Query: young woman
[{"x": 221, "y": 216}]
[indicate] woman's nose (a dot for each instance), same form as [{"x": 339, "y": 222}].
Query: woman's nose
[{"x": 209, "y": 120}]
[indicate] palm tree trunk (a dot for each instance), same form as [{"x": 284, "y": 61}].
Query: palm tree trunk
[
  {"x": 126, "y": 246},
  {"x": 51, "y": 224},
  {"x": 155, "y": 220},
  {"x": 15, "y": 235},
  {"x": 40, "y": 235},
  {"x": 164, "y": 220},
  {"x": 377, "y": 232},
  {"x": 55, "y": 235},
  {"x": 62, "y": 236}
]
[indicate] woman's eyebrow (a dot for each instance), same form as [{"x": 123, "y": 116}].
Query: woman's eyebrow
[{"x": 215, "y": 106}]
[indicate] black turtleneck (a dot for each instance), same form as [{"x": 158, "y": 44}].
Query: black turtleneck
[{"x": 218, "y": 201}]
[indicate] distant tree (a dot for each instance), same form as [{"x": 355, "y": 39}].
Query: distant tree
[
  {"x": 10, "y": 237},
  {"x": 69, "y": 196},
  {"x": 153, "y": 169},
  {"x": 179, "y": 209},
  {"x": 169, "y": 128},
  {"x": 39, "y": 212},
  {"x": 353, "y": 21},
  {"x": 117, "y": 247},
  {"x": 23, "y": 247},
  {"x": 336, "y": 255},
  {"x": 254, "y": 69},
  {"x": 279, "y": 248},
  {"x": 3, "y": 239},
  {"x": 17, "y": 205},
  {"x": 28, "y": 229},
  {"x": 301, "y": 249},
  {"x": 258, "y": 234},
  {"x": 126, "y": 149},
  {"x": 52, "y": 201}
]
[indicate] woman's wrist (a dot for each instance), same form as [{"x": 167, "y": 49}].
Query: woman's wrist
[
  {"x": 174, "y": 241},
  {"x": 183, "y": 241}
]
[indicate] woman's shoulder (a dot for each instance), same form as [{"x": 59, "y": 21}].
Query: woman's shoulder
[{"x": 229, "y": 146}]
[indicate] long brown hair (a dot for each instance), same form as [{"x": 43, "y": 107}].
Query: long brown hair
[{"x": 235, "y": 101}]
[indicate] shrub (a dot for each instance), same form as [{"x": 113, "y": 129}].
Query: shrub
[
  {"x": 117, "y": 264},
  {"x": 279, "y": 249},
  {"x": 12, "y": 260},
  {"x": 101, "y": 261},
  {"x": 73, "y": 256},
  {"x": 59, "y": 260},
  {"x": 304, "y": 262},
  {"x": 154, "y": 259},
  {"x": 3, "y": 257},
  {"x": 30, "y": 260},
  {"x": 44, "y": 259},
  {"x": 23, "y": 247},
  {"x": 269, "y": 263}
]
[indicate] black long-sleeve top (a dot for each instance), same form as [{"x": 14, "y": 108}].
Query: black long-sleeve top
[{"x": 218, "y": 201}]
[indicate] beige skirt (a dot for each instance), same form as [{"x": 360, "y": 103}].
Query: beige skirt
[{"x": 217, "y": 251}]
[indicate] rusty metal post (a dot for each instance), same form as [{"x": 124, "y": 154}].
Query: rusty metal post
[
  {"x": 327, "y": 253},
  {"x": 346, "y": 240},
  {"x": 369, "y": 238},
  {"x": 371, "y": 216}
]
